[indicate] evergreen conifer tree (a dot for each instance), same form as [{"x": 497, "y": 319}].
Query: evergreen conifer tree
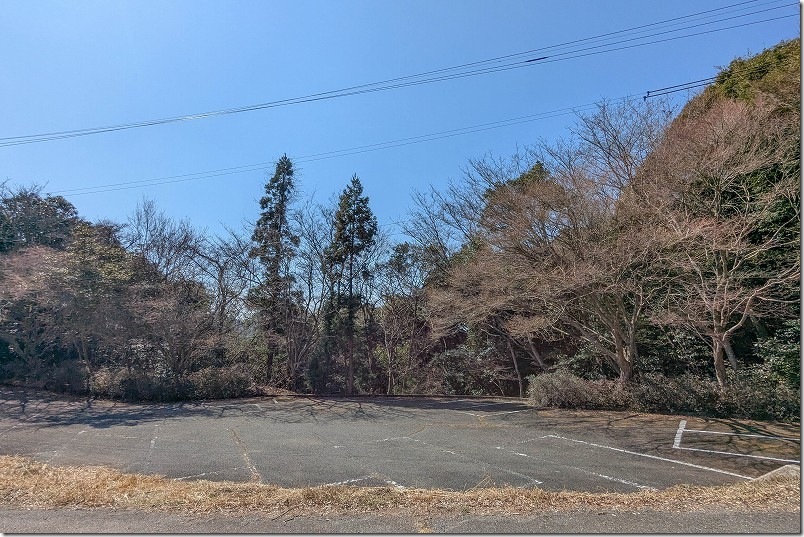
[
  {"x": 355, "y": 229},
  {"x": 275, "y": 247}
]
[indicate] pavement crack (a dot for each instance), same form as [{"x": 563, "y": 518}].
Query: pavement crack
[{"x": 255, "y": 475}]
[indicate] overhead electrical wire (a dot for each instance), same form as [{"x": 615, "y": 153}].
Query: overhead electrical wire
[
  {"x": 260, "y": 166},
  {"x": 446, "y": 74},
  {"x": 679, "y": 87}
]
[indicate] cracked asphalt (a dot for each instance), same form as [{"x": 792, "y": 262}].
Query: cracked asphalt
[{"x": 410, "y": 442}]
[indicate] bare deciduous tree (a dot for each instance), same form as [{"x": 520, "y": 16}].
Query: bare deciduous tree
[{"x": 717, "y": 179}]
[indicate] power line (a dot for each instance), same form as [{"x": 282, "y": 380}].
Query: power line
[
  {"x": 260, "y": 166},
  {"x": 679, "y": 87},
  {"x": 442, "y": 74}
]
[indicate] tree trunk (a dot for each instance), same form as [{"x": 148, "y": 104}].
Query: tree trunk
[
  {"x": 624, "y": 358},
  {"x": 516, "y": 366},
  {"x": 350, "y": 333},
  {"x": 720, "y": 366},
  {"x": 730, "y": 353},
  {"x": 269, "y": 366},
  {"x": 537, "y": 357}
]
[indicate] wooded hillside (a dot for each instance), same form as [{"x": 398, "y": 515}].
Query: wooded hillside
[{"x": 649, "y": 259}]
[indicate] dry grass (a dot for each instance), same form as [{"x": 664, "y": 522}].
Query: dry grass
[{"x": 27, "y": 483}]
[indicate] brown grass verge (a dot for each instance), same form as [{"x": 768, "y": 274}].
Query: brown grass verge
[{"x": 27, "y": 483}]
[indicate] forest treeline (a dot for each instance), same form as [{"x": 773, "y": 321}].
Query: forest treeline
[{"x": 649, "y": 260}]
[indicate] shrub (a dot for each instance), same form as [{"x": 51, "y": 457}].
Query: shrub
[
  {"x": 221, "y": 382},
  {"x": 562, "y": 389},
  {"x": 782, "y": 353},
  {"x": 752, "y": 393},
  {"x": 67, "y": 377},
  {"x": 654, "y": 392},
  {"x": 757, "y": 393},
  {"x": 137, "y": 385}
]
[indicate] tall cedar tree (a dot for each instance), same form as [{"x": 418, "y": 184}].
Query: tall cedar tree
[
  {"x": 275, "y": 247},
  {"x": 355, "y": 231}
]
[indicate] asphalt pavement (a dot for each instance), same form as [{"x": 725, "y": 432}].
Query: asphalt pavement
[{"x": 446, "y": 443}]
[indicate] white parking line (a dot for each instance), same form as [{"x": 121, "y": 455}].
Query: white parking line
[
  {"x": 682, "y": 429},
  {"x": 618, "y": 480},
  {"x": 589, "y": 472},
  {"x": 745, "y": 434},
  {"x": 531, "y": 480},
  {"x": 674, "y": 461},
  {"x": 9, "y": 428},
  {"x": 206, "y": 473},
  {"x": 489, "y": 414},
  {"x": 346, "y": 482},
  {"x": 365, "y": 478},
  {"x": 738, "y": 454},
  {"x": 681, "y": 425},
  {"x": 150, "y": 448},
  {"x": 393, "y": 484},
  {"x": 514, "y": 452}
]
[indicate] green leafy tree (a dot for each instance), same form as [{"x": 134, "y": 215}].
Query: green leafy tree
[
  {"x": 28, "y": 218},
  {"x": 355, "y": 229}
]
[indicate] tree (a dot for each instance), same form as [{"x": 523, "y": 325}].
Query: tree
[
  {"x": 228, "y": 272},
  {"x": 28, "y": 218},
  {"x": 275, "y": 247},
  {"x": 550, "y": 254},
  {"x": 161, "y": 242},
  {"x": 98, "y": 273},
  {"x": 727, "y": 169},
  {"x": 401, "y": 315},
  {"x": 30, "y": 304},
  {"x": 355, "y": 228}
]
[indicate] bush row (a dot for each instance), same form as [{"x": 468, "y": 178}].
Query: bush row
[
  {"x": 209, "y": 383},
  {"x": 752, "y": 393}
]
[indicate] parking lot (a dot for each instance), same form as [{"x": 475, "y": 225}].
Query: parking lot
[{"x": 446, "y": 443}]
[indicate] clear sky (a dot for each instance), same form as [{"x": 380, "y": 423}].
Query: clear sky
[{"x": 70, "y": 65}]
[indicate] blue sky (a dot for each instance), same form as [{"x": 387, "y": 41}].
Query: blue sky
[{"x": 80, "y": 64}]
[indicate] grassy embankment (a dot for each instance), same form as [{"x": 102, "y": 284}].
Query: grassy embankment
[{"x": 30, "y": 484}]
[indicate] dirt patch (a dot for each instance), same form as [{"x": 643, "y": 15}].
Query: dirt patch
[{"x": 30, "y": 484}]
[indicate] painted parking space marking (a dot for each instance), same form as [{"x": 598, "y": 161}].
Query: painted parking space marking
[
  {"x": 10, "y": 428},
  {"x": 618, "y": 480},
  {"x": 514, "y": 452},
  {"x": 738, "y": 454},
  {"x": 347, "y": 481},
  {"x": 148, "y": 454},
  {"x": 369, "y": 442},
  {"x": 461, "y": 441},
  {"x": 530, "y": 479},
  {"x": 751, "y": 435},
  {"x": 582, "y": 470},
  {"x": 646, "y": 455},
  {"x": 679, "y": 432},
  {"x": 205, "y": 474},
  {"x": 384, "y": 479},
  {"x": 682, "y": 429}
]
